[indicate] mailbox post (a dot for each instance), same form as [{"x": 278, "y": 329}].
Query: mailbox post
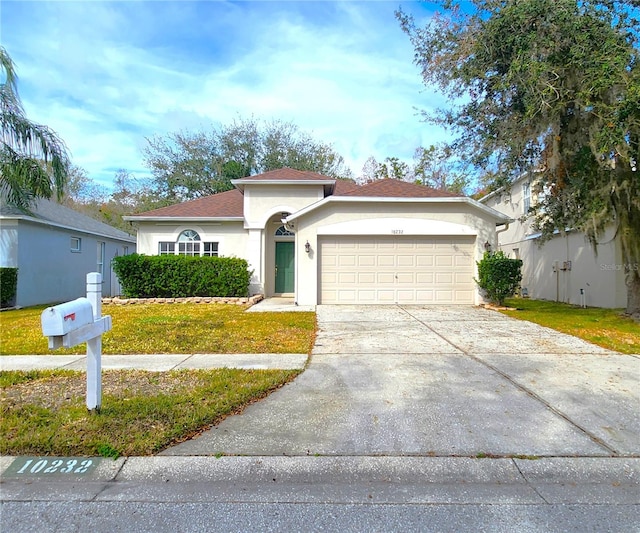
[
  {"x": 80, "y": 321},
  {"x": 94, "y": 345}
]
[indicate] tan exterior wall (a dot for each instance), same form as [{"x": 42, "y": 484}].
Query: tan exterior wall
[
  {"x": 565, "y": 268},
  {"x": 261, "y": 202},
  {"x": 382, "y": 219}
]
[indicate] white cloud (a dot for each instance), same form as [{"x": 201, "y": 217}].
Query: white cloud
[{"x": 114, "y": 73}]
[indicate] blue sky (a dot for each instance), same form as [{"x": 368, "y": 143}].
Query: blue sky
[{"x": 106, "y": 75}]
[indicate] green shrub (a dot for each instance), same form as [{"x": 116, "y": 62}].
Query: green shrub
[
  {"x": 176, "y": 276},
  {"x": 8, "y": 285},
  {"x": 499, "y": 276}
]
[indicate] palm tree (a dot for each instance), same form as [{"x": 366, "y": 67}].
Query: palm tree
[{"x": 33, "y": 159}]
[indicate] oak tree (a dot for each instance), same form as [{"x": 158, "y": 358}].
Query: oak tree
[{"x": 551, "y": 86}]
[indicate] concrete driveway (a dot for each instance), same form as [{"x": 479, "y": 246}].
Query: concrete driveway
[{"x": 441, "y": 381}]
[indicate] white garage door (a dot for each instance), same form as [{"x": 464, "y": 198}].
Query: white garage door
[{"x": 389, "y": 270}]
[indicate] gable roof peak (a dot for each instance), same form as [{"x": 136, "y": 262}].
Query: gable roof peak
[
  {"x": 395, "y": 188},
  {"x": 286, "y": 174}
]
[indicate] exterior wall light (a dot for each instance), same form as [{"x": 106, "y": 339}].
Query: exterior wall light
[
  {"x": 487, "y": 246},
  {"x": 307, "y": 247}
]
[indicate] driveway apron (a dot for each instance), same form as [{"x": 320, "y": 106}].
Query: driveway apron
[{"x": 440, "y": 381}]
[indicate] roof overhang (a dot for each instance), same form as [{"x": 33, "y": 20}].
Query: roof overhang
[
  {"x": 65, "y": 227},
  {"x": 134, "y": 218},
  {"x": 500, "y": 218}
]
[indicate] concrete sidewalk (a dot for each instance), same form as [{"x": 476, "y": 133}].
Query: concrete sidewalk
[{"x": 157, "y": 362}]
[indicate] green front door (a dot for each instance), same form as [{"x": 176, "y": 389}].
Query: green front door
[{"x": 284, "y": 267}]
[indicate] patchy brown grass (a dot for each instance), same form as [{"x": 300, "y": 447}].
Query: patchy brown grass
[{"x": 44, "y": 412}]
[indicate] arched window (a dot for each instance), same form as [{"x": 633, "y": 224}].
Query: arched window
[
  {"x": 189, "y": 235},
  {"x": 189, "y": 243},
  {"x": 283, "y": 232}
]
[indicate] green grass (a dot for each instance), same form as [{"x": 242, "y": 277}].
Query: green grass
[
  {"x": 171, "y": 328},
  {"x": 43, "y": 412},
  {"x": 605, "y": 327}
]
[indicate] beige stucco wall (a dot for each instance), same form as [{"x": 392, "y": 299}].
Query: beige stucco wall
[
  {"x": 545, "y": 270},
  {"x": 261, "y": 202},
  {"x": 404, "y": 218},
  {"x": 233, "y": 241}
]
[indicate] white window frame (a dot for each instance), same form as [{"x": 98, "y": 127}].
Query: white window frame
[
  {"x": 526, "y": 197},
  {"x": 189, "y": 244},
  {"x": 101, "y": 252},
  {"x": 75, "y": 245}
]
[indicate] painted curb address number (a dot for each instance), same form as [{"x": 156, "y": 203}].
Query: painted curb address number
[{"x": 51, "y": 466}]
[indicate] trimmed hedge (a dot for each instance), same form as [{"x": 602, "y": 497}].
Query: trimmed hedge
[
  {"x": 8, "y": 285},
  {"x": 499, "y": 276},
  {"x": 176, "y": 276}
]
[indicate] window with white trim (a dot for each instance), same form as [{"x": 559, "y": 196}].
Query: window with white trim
[
  {"x": 100, "y": 261},
  {"x": 76, "y": 244},
  {"x": 188, "y": 243},
  {"x": 526, "y": 197}
]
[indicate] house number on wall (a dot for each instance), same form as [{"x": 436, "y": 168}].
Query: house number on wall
[{"x": 397, "y": 231}]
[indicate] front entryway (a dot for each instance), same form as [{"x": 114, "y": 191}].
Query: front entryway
[{"x": 285, "y": 270}]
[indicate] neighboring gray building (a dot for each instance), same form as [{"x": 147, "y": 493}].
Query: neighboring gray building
[{"x": 54, "y": 248}]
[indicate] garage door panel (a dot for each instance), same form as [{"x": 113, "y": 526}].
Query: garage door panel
[
  {"x": 444, "y": 296},
  {"x": 424, "y": 261},
  {"x": 406, "y": 261},
  {"x": 386, "y": 261},
  {"x": 386, "y": 296},
  {"x": 444, "y": 278},
  {"x": 367, "y": 296},
  {"x": 366, "y": 261},
  {"x": 346, "y": 260},
  {"x": 386, "y": 278},
  {"x": 406, "y": 278},
  {"x": 367, "y": 278},
  {"x": 443, "y": 260},
  {"x": 398, "y": 269},
  {"x": 462, "y": 261},
  {"x": 424, "y": 278},
  {"x": 347, "y": 277},
  {"x": 461, "y": 278}
]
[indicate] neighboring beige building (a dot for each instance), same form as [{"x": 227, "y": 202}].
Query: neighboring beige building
[
  {"x": 566, "y": 268},
  {"x": 323, "y": 240}
]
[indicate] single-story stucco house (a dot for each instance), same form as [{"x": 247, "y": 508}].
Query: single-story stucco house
[
  {"x": 54, "y": 248},
  {"x": 323, "y": 240}
]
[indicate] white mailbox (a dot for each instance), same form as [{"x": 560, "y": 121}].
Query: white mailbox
[{"x": 64, "y": 318}]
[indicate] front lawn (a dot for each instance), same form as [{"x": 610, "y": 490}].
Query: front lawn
[
  {"x": 44, "y": 412},
  {"x": 604, "y": 327},
  {"x": 171, "y": 328}
]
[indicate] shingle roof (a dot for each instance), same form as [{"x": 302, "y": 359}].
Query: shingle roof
[
  {"x": 287, "y": 173},
  {"x": 52, "y": 213},
  {"x": 227, "y": 204},
  {"x": 392, "y": 188},
  {"x": 343, "y": 187}
]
